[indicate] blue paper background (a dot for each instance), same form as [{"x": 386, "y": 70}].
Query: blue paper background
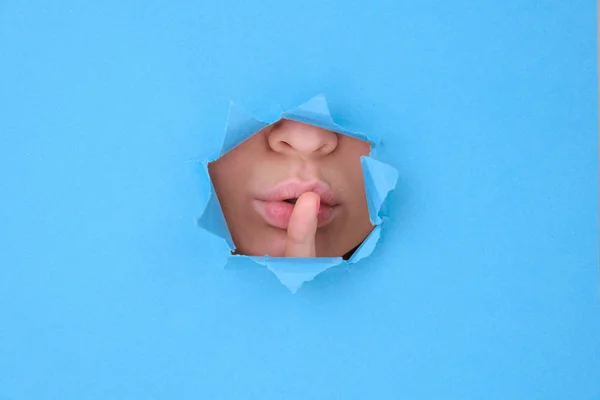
[{"x": 484, "y": 286}]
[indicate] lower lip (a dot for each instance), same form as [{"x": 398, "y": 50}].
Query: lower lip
[{"x": 278, "y": 213}]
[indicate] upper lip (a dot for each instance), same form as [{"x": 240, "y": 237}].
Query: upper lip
[{"x": 293, "y": 190}]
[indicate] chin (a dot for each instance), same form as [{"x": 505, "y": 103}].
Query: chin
[
  {"x": 275, "y": 249},
  {"x": 273, "y": 246}
]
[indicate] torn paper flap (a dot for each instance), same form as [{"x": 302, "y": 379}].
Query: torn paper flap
[
  {"x": 316, "y": 112},
  {"x": 294, "y": 272},
  {"x": 212, "y": 219},
  {"x": 241, "y": 125},
  {"x": 380, "y": 180},
  {"x": 367, "y": 246}
]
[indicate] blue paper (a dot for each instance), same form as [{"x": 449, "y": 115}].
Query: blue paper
[
  {"x": 380, "y": 178},
  {"x": 483, "y": 283},
  {"x": 316, "y": 112},
  {"x": 294, "y": 272},
  {"x": 240, "y": 126}
]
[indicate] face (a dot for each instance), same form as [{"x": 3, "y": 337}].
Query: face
[{"x": 258, "y": 181}]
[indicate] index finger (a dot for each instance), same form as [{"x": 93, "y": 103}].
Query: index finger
[{"x": 302, "y": 228}]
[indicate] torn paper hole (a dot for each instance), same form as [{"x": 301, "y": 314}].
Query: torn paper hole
[{"x": 263, "y": 167}]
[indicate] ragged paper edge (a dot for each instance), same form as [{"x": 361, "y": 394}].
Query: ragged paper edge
[{"x": 380, "y": 179}]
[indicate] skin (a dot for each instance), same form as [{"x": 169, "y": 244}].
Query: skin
[
  {"x": 301, "y": 232},
  {"x": 293, "y": 150}
]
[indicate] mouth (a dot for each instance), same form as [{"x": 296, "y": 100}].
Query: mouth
[{"x": 276, "y": 205}]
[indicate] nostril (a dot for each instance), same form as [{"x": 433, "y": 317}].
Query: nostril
[{"x": 282, "y": 146}]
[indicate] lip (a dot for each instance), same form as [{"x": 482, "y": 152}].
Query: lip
[{"x": 276, "y": 212}]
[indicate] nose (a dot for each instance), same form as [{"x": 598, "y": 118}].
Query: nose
[{"x": 294, "y": 138}]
